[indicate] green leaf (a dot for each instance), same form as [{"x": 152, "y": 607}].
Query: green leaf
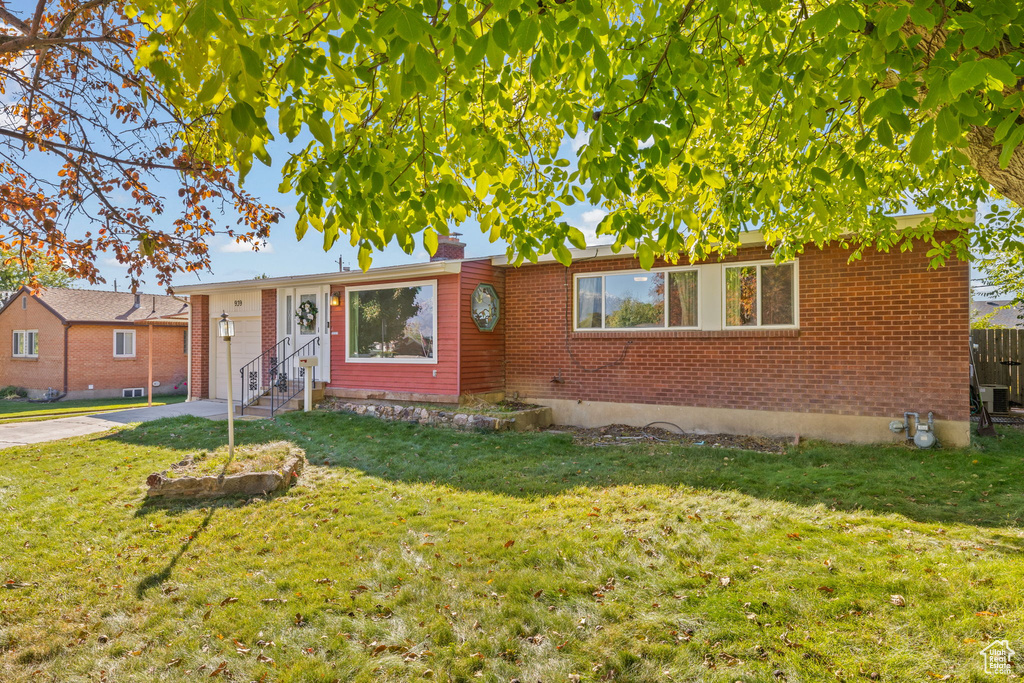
[
  {"x": 1011, "y": 144},
  {"x": 921, "y": 145},
  {"x": 251, "y": 61},
  {"x": 203, "y": 19},
  {"x": 896, "y": 20},
  {"x": 821, "y": 175},
  {"x": 430, "y": 241},
  {"x": 576, "y": 238},
  {"x": 713, "y": 178},
  {"x": 501, "y": 35},
  {"x": 645, "y": 255},
  {"x": 850, "y": 18},
  {"x": 970, "y": 75},
  {"x": 947, "y": 127}
]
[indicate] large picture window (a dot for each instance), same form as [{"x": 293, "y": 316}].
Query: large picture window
[
  {"x": 760, "y": 295},
  {"x": 657, "y": 299},
  {"x": 392, "y": 324}
]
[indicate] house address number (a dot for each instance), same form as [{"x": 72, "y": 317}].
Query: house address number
[{"x": 238, "y": 303}]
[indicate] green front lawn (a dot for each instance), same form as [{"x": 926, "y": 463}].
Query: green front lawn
[
  {"x": 23, "y": 411},
  {"x": 410, "y": 553}
]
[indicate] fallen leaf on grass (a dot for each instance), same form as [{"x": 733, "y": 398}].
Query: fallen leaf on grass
[
  {"x": 509, "y": 544},
  {"x": 228, "y": 601},
  {"x": 898, "y": 600}
]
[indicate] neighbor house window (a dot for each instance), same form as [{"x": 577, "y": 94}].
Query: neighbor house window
[
  {"x": 25, "y": 344},
  {"x": 760, "y": 295},
  {"x": 392, "y": 324},
  {"x": 124, "y": 343},
  {"x": 657, "y": 299}
]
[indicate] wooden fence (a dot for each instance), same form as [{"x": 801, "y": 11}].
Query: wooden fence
[{"x": 994, "y": 356}]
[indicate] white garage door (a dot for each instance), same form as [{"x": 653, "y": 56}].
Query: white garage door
[{"x": 245, "y": 346}]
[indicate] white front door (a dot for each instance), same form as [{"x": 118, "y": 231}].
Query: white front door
[{"x": 310, "y": 313}]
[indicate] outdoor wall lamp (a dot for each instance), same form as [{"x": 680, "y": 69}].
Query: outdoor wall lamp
[{"x": 335, "y": 298}]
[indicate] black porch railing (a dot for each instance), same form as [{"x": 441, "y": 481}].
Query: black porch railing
[
  {"x": 258, "y": 373},
  {"x": 287, "y": 377}
]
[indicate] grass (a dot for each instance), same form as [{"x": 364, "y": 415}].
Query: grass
[
  {"x": 408, "y": 553},
  {"x": 264, "y": 457},
  {"x": 23, "y": 411}
]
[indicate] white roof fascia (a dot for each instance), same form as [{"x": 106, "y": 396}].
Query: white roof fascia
[{"x": 416, "y": 270}]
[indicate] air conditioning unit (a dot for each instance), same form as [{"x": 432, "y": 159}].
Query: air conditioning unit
[{"x": 996, "y": 398}]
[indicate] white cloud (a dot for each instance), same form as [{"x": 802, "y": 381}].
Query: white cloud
[
  {"x": 111, "y": 262},
  {"x": 587, "y": 223},
  {"x": 245, "y": 248},
  {"x": 582, "y": 138}
]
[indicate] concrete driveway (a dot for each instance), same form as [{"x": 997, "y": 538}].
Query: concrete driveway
[{"x": 22, "y": 433}]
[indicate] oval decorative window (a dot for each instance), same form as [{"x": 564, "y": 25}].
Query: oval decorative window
[{"x": 485, "y": 307}]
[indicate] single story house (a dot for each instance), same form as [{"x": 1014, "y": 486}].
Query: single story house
[
  {"x": 997, "y": 313},
  {"x": 819, "y": 346},
  {"x": 94, "y": 344}
]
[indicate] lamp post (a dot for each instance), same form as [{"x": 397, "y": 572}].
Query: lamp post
[{"x": 227, "y": 331}]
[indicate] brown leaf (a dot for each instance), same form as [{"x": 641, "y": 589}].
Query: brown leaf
[
  {"x": 263, "y": 659},
  {"x": 898, "y": 600},
  {"x": 539, "y": 593},
  {"x": 228, "y": 601},
  {"x": 826, "y": 589},
  {"x": 509, "y": 544},
  {"x": 219, "y": 670}
]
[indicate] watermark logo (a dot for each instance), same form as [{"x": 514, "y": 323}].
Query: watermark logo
[{"x": 998, "y": 657}]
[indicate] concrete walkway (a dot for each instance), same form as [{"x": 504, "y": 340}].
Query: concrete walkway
[{"x": 23, "y": 433}]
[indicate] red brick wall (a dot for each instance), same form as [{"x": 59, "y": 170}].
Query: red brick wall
[
  {"x": 416, "y": 378},
  {"x": 268, "y": 322},
  {"x": 877, "y": 337},
  {"x": 37, "y": 374},
  {"x": 482, "y": 357},
  {"x": 199, "y": 309},
  {"x": 91, "y": 359}
]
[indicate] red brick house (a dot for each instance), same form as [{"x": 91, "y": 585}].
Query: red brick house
[
  {"x": 818, "y": 346},
  {"x": 92, "y": 344}
]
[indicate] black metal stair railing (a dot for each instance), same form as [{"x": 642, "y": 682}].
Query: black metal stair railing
[
  {"x": 287, "y": 377},
  {"x": 257, "y": 374}
]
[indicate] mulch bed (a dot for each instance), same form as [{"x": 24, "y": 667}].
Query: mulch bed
[{"x": 624, "y": 435}]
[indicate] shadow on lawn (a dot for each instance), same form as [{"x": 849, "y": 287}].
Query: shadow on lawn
[{"x": 973, "y": 486}]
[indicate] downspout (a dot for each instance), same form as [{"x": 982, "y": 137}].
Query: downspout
[
  {"x": 188, "y": 359},
  {"x": 67, "y": 326}
]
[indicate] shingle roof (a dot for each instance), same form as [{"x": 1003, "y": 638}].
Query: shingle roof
[
  {"x": 1002, "y": 317},
  {"x": 87, "y": 305}
]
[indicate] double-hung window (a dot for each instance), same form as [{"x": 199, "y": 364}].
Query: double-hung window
[
  {"x": 655, "y": 299},
  {"x": 25, "y": 344},
  {"x": 760, "y": 295},
  {"x": 392, "y": 324},
  {"x": 124, "y": 343}
]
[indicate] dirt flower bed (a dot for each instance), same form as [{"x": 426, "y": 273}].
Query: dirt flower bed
[
  {"x": 257, "y": 458},
  {"x": 253, "y": 471},
  {"x": 612, "y": 435}
]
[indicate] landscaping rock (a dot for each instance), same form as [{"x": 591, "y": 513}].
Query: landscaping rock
[
  {"x": 524, "y": 419},
  {"x": 247, "y": 484}
]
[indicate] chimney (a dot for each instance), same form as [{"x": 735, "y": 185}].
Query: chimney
[{"x": 449, "y": 248}]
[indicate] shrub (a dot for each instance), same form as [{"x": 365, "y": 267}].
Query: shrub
[{"x": 12, "y": 391}]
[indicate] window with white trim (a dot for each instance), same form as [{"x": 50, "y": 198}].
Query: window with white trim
[
  {"x": 124, "y": 343},
  {"x": 25, "y": 344},
  {"x": 760, "y": 295},
  {"x": 395, "y": 324},
  {"x": 630, "y": 300}
]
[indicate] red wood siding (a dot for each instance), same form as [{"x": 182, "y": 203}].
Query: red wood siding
[
  {"x": 483, "y": 353},
  {"x": 877, "y": 337},
  {"x": 415, "y": 378}
]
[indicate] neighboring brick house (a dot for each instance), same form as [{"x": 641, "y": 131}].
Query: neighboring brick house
[
  {"x": 819, "y": 347},
  {"x": 92, "y": 344}
]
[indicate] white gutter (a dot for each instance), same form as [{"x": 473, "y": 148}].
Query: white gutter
[{"x": 335, "y": 278}]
